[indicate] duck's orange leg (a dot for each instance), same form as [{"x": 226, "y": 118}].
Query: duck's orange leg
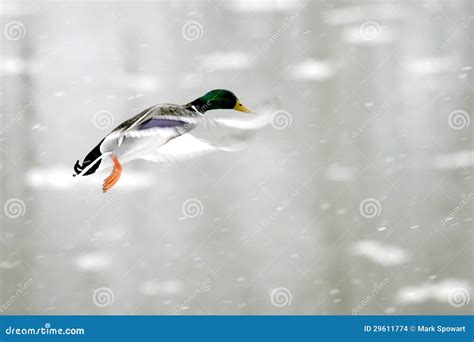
[{"x": 110, "y": 181}]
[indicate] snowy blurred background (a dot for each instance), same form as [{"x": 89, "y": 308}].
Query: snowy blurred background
[{"x": 356, "y": 200}]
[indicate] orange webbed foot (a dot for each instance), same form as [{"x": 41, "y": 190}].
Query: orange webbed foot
[{"x": 111, "y": 180}]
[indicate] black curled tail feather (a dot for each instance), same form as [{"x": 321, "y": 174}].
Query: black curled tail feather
[{"x": 92, "y": 157}]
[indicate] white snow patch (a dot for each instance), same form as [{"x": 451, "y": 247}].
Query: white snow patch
[
  {"x": 311, "y": 70},
  {"x": 265, "y": 5},
  {"x": 155, "y": 287},
  {"x": 356, "y": 14},
  {"x": 379, "y": 253},
  {"x": 352, "y": 35},
  {"x": 39, "y": 128},
  {"x": 140, "y": 83},
  {"x": 325, "y": 206},
  {"x": 93, "y": 262},
  {"x": 452, "y": 161},
  {"x": 60, "y": 178},
  {"x": 191, "y": 80},
  {"x": 8, "y": 264},
  {"x": 14, "y": 10},
  {"x": 16, "y": 66},
  {"x": 233, "y": 60},
  {"x": 110, "y": 235},
  {"x": 135, "y": 97},
  {"x": 439, "y": 291},
  {"x": 430, "y": 65},
  {"x": 339, "y": 173}
]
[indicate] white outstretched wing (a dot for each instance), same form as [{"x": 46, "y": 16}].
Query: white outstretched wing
[
  {"x": 214, "y": 133},
  {"x": 181, "y": 148}
]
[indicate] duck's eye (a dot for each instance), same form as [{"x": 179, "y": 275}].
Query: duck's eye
[{"x": 240, "y": 104}]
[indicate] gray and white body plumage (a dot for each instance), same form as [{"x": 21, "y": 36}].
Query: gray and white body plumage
[{"x": 161, "y": 133}]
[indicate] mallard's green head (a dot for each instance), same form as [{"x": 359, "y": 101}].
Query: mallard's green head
[{"x": 218, "y": 99}]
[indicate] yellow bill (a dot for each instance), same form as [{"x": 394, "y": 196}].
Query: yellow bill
[{"x": 241, "y": 108}]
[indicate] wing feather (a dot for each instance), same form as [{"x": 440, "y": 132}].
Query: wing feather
[
  {"x": 212, "y": 134},
  {"x": 181, "y": 148}
]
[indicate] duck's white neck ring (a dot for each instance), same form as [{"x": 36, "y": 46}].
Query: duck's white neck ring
[{"x": 195, "y": 109}]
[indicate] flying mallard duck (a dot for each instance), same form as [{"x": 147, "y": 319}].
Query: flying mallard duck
[{"x": 143, "y": 135}]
